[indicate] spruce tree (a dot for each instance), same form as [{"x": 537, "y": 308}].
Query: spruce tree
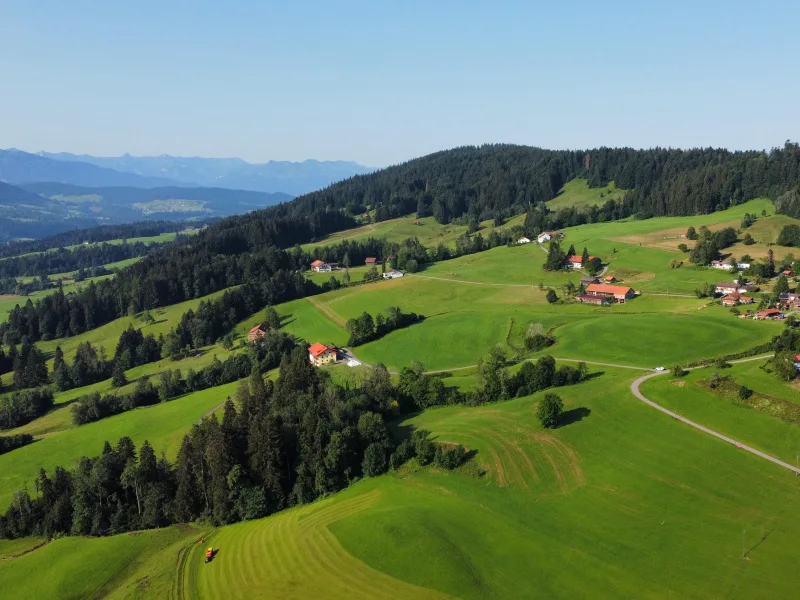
[{"x": 118, "y": 378}]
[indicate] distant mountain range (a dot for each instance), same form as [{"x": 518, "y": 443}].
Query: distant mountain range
[
  {"x": 38, "y": 209},
  {"x": 294, "y": 178}
]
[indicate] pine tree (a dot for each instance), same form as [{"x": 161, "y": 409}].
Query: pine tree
[
  {"x": 571, "y": 251},
  {"x": 118, "y": 378},
  {"x": 585, "y": 257}
]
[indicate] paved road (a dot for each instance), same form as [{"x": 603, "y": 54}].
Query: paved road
[{"x": 638, "y": 393}]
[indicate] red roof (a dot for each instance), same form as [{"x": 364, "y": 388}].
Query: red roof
[
  {"x": 602, "y": 288},
  {"x": 579, "y": 259},
  {"x": 770, "y": 311},
  {"x": 317, "y": 349},
  {"x": 317, "y": 263},
  {"x": 260, "y": 327},
  {"x": 370, "y": 260},
  {"x": 787, "y": 272}
]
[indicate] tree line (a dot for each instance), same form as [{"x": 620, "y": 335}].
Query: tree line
[
  {"x": 365, "y": 329},
  {"x": 12, "y": 442}
]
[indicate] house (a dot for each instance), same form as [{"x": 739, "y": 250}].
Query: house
[
  {"x": 258, "y": 333},
  {"x": 616, "y": 293},
  {"x": 736, "y": 298},
  {"x": 392, "y": 274},
  {"x": 576, "y": 262},
  {"x": 788, "y": 273},
  {"x": 742, "y": 266},
  {"x": 772, "y": 314},
  {"x": 797, "y": 362},
  {"x": 610, "y": 279},
  {"x": 789, "y": 300},
  {"x": 593, "y": 299},
  {"x": 321, "y": 267},
  {"x": 523, "y": 240},
  {"x": 589, "y": 280},
  {"x": 320, "y": 354},
  {"x": 546, "y": 236},
  {"x": 371, "y": 261},
  {"x": 718, "y": 264},
  {"x": 726, "y": 288}
]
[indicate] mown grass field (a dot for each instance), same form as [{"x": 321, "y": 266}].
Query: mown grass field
[
  {"x": 578, "y": 193},
  {"x": 137, "y": 565},
  {"x": 164, "y": 425},
  {"x": 622, "y": 502}
]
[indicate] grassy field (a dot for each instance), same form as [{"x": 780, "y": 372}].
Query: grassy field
[
  {"x": 137, "y": 565},
  {"x": 617, "y": 495},
  {"x": 578, "y": 193},
  {"x": 757, "y": 429},
  {"x": 164, "y": 425}
]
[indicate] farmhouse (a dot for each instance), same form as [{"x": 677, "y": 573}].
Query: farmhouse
[
  {"x": 772, "y": 314},
  {"x": 788, "y": 273},
  {"x": 719, "y": 264},
  {"x": 789, "y": 300},
  {"x": 320, "y": 354},
  {"x": 616, "y": 293},
  {"x": 546, "y": 236},
  {"x": 726, "y": 288},
  {"x": 742, "y": 266},
  {"x": 258, "y": 333},
  {"x": 736, "y": 298},
  {"x": 610, "y": 279},
  {"x": 370, "y": 261},
  {"x": 321, "y": 267},
  {"x": 523, "y": 240},
  {"x": 392, "y": 274},
  {"x": 576, "y": 262},
  {"x": 593, "y": 299}
]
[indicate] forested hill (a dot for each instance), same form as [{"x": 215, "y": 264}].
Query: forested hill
[{"x": 485, "y": 181}]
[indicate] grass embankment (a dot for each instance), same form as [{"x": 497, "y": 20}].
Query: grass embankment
[{"x": 640, "y": 505}]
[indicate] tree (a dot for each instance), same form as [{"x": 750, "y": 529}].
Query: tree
[
  {"x": 493, "y": 375},
  {"x": 555, "y": 257},
  {"x": 549, "y": 410},
  {"x": 271, "y": 318},
  {"x": 683, "y": 248},
  {"x": 551, "y": 296},
  {"x": 781, "y": 285},
  {"x": 783, "y": 364},
  {"x": 118, "y": 378},
  {"x": 691, "y": 234},
  {"x": 571, "y": 251},
  {"x": 585, "y": 257},
  {"x": 748, "y": 240},
  {"x": 678, "y": 371}
]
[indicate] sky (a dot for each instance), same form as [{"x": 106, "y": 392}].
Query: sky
[{"x": 380, "y": 82}]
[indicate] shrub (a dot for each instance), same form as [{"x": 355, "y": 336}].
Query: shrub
[
  {"x": 449, "y": 456},
  {"x": 550, "y": 410},
  {"x": 551, "y": 296},
  {"x": 744, "y": 392},
  {"x": 678, "y": 371}
]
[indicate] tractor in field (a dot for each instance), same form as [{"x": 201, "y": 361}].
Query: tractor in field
[{"x": 209, "y": 554}]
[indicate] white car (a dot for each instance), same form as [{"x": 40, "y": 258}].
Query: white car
[{"x": 659, "y": 368}]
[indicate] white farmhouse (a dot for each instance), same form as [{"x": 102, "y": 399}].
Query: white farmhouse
[{"x": 523, "y": 240}]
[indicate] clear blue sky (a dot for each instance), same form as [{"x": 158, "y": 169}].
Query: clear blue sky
[{"x": 381, "y": 81}]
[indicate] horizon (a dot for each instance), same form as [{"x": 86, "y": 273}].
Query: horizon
[{"x": 379, "y": 85}]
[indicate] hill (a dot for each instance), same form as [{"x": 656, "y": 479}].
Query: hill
[
  {"x": 273, "y": 176},
  {"x": 17, "y": 166}
]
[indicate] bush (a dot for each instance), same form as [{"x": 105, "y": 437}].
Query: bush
[
  {"x": 550, "y": 410},
  {"x": 678, "y": 371},
  {"x": 449, "y": 456},
  {"x": 538, "y": 341},
  {"x": 744, "y": 392},
  {"x": 551, "y": 296}
]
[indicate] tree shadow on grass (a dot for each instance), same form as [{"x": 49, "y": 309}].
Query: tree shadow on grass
[{"x": 574, "y": 415}]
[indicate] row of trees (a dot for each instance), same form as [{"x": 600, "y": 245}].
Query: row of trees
[
  {"x": 12, "y": 442},
  {"x": 365, "y": 329},
  {"x": 557, "y": 259},
  {"x": 23, "y": 407}
]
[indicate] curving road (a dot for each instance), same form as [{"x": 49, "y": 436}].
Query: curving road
[{"x": 638, "y": 393}]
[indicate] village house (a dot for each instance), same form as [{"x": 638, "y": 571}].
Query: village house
[
  {"x": 576, "y": 262},
  {"x": 320, "y": 354},
  {"x": 719, "y": 264},
  {"x": 788, "y": 273},
  {"x": 392, "y": 274},
  {"x": 736, "y": 298},
  {"x": 742, "y": 266},
  {"x": 610, "y": 279},
  {"x": 523, "y": 240},
  {"x": 321, "y": 267},
  {"x": 593, "y": 299},
  {"x": 258, "y": 333},
  {"x": 370, "y": 261},
  {"x": 772, "y": 314},
  {"x": 726, "y": 288},
  {"x": 618, "y": 293},
  {"x": 546, "y": 236},
  {"x": 589, "y": 280},
  {"x": 789, "y": 300}
]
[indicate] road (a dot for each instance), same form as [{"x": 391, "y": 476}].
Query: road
[{"x": 638, "y": 394}]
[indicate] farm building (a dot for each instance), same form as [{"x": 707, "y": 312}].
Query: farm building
[
  {"x": 392, "y": 274},
  {"x": 789, "y": 300},
  {"x": 371, "y": 261},
  {"x": 589, "y": 280},
  {"x": 616, "y": 293},
  {"x": 610, "y": 279},
  {"x": 736, "y": 298},
  {"x": 726, "y": 288},
  {"x": 742, "y": 265},
  {"x": 576, "y": 262},
  {"x": 719, "y": 264},
  {"x": 546, "y": 236},
  {"x": 593, "y": 299},
  {"x": 788, "y": 273},
  {"x": 320, "y": 266},
  {"x": 320, "y": 354},
  {"x": 772, "y": 314},
  {"x": 258, "y": 333},
  {"x": 523, "y": 240}
]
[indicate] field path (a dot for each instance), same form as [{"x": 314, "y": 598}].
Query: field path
[
  {"x": 638, "y": 393},
  {"x": 326, "y": 311}
]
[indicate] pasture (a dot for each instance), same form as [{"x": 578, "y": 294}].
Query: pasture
[
  {"x": 164, "y": 425},
  {"x": 577, "y": 193}
]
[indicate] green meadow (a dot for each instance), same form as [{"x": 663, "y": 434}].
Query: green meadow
[
  {"x": 577, "y": 193},
  {"x": 164, "y": 425}
]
